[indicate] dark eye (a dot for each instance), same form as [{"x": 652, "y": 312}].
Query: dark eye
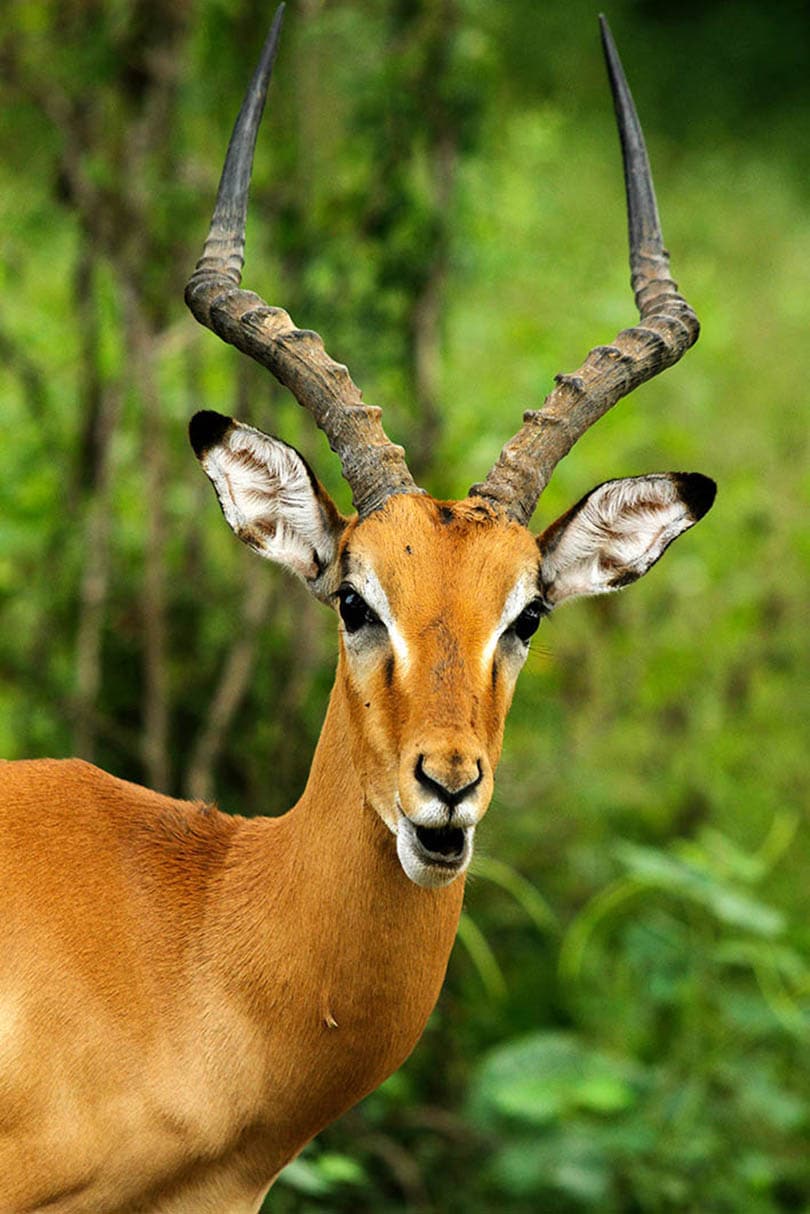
[
  {"x": 354, "y": 610},
  {"x": 525, "y": 626}
]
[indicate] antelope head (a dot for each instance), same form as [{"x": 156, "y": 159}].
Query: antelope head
[{"x": 437, "y": 600}]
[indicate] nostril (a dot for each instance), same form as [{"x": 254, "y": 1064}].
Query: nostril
[
  {"x": 427, "y": 781},
  {"x": 450, "y": 796}
]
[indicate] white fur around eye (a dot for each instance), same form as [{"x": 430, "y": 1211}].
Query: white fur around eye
[
  {"x": 268, "y": 498},
  {"x": 370, "y": 587},
  {"x": 518, "y": 598},
  {"x": 616, "y": 534}
]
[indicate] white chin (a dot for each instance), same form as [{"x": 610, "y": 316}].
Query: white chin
[{"x": 433, "y": 858}]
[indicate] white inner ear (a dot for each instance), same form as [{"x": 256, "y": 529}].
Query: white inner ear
[
  {"x": 268, "y": 498},
  {"x": 618, "y": 532}
]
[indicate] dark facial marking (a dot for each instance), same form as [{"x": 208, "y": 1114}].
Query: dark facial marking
[
  {"x": 494, "y": 674},
  {"x": 345, "y": 565},
  {"x": 446, "y": 514},
  {"x": 389, "y": 671}
]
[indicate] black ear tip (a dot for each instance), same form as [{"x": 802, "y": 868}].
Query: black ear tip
[
  {"x": 697, "y": 491},
  {"x": 206, "y": 429}
]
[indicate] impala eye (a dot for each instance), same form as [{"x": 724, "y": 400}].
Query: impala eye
[
  {"x": 525, "y": 626},
  {"x": 354, "y": 610}
]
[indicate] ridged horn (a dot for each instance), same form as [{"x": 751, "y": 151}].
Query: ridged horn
[
  {"x": 373, "y": 466},
  {"x": 668, "y": 327}
]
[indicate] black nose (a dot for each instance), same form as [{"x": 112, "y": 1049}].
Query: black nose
[{"x": 450, "y": 796}]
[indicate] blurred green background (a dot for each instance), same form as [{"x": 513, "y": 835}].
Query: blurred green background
[{"x": 626, "y": 1019}]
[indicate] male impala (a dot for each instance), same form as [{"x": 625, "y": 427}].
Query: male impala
[{"x": 186, "y": 997}]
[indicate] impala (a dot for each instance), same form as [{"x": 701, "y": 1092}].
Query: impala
[{"x": 188, "y": 997}]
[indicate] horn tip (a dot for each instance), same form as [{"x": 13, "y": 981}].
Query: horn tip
[{"x": 608, "y": 44}]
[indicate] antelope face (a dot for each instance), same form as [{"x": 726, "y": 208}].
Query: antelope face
[{"x": 438, "y": 602}]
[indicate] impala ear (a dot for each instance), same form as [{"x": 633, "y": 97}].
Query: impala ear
[
  {"x": 618, "y": 531},
  {"x": 269, "y": 496}
]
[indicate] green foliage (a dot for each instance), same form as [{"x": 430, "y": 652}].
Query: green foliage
[
  {"x": 323, "y": 1173},
  {"x": 625, "y": 1021}
]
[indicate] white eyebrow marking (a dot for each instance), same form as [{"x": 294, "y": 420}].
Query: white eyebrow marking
[
  {"x": 516, "y": 600},
  {"x": 377, "y": 599}
]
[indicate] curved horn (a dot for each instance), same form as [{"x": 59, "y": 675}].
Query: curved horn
[
  {"x": 668, "y": 328},
  {"x": 374, "y": 467}
]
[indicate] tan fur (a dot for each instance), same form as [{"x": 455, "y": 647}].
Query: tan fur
[
  {"x": 448, "y": 583},
  {"x": 186, "y": 998}
]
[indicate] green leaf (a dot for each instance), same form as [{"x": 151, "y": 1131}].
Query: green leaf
[
  {"x": 319, "y": 1175},
  {"x": 523, "y": 892},
  {"x": 482, "y": 957},
  {"x": 303, "y": 1176},
  {"x": 665, "y": 872},
  {"x": 338, "y": 1169},
  {"x": 547, "y": 1076},
  {"x": 569, "y": 1162}
]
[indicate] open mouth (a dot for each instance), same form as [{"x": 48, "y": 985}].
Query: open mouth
[
  {"x": 442, "y": 845},
  {"x": 433, "y": 856}
]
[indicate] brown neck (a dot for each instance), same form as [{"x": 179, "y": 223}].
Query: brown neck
[{"x": 340, "y": 955}]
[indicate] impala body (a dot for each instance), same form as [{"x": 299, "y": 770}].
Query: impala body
[{"x": 187, "y": 997}]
